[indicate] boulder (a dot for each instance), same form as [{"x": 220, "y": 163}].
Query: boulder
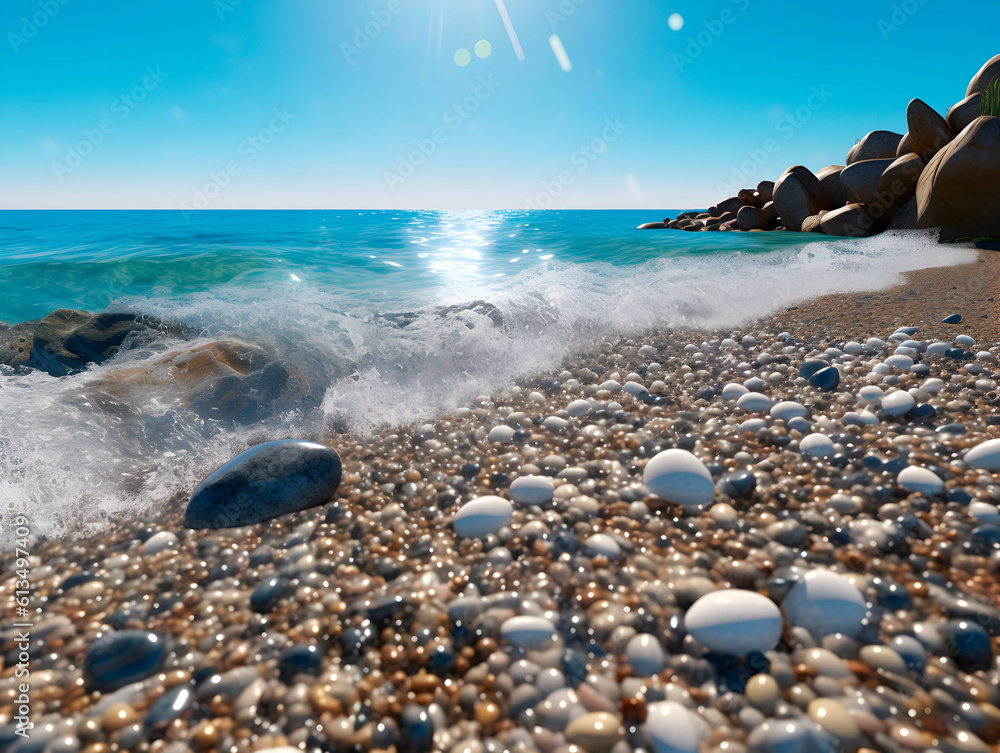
[
  {"x": 15, "y": 343},
  {"x": 852, "y": 221},
  {"x": 960, "y": 116},
  {"x": 266, "y": 481},
  {"x": 811, "y": 224},
  {"x": 752, "y": 218},
  {"x": 766, "y": 190},
  {"x": 905, "y": 146},
  {"x": 833, "y": 186},
  {"x": 652, "y": 226},
  {"x": 959, "y": 189},
  {"x": 876, "y": 145},
  {"x": 989, "y": 73},
  {"x": 906, "y": 216},
  {"x": 732, "y": 204},
  {"x": 750, "y": 198},
  {"x": 861, "y": 180},
  {"x": 898, "y": 183},
  {"x": 67, "y": 341},
  {"x": 929, "y": 132},
  {"x": 798, "y": 194}
]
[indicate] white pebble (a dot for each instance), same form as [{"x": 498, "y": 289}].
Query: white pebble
[
  {"x": 602, "y": 544},
  {"x": 554, "y": 423},
  {"x": 753, "y": 402},
  {"x": 501, "y": 434},
  {"x": 816, "y": 445},
  {"x": 825, "y": 603},
  {"x": 985, "y": 455},
  {"x": 733, "y": 391},
  {"x": 578, "y": 408},
  {"x": 531, "y": 490},
  {"x": 482, "y": 516},
  {"x": 871, "y": 393},
  {"x": 920, "y": 480},
  {"x": 898, "y": 403},
  {"x": 678, "y": 476},
  {"x": 787, "y": 410}
]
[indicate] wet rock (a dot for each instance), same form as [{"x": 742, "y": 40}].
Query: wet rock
[
  {"x": 119, "y": 659},
  {"x": 824, "y": 603},
  {"x": 265, "y": 482},
  {"x": 735, "y": 622},
  {"x": 678, "y": 476},
  {"x": 482, "y": 516}
]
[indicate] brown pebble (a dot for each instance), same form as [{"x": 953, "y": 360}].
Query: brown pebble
[
  {"x": 487, "y": 713},
  {"x": 118, "y": 717}
]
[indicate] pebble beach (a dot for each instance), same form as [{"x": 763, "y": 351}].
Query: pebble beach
[{"x": 775, "y": 539}]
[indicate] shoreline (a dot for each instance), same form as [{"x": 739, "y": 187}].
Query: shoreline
[{"x": 384, "y": 552}]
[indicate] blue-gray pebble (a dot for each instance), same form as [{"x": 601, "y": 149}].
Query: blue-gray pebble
[
  {"x": 118, "y": 659},
  {"x": 266, "y": 481}
]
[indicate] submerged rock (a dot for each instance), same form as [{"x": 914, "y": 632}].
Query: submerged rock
[{"x": 265, "y": 482}]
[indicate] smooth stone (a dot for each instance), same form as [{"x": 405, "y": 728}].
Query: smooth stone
[
  {"x": 985, "y": 512},
  {"x": 816, "y": 445},
  {"x": 824, "y": 603},
  {"x": 170, "y": 705},
  {"x": 898, "y": 403},
  {"x": 597, "y": 732},
  {"x": 269, "y": 592},
  {"x": 920, "y": 480},
  {"x": 752, "y": 425},
  {"x": 559, "y": 709},
  {"x": 529, "y": 632},
  {"x": 555, "y": 423},
  {"x": 754, "y": 402},
  {"x": 835, "y": 719},
  {"x": 790, "y": 736},
  {"x": 733, "y": 391},
  {"x": 911, "y": 650},
  {"x": 635, "y": 389},
  {"x": 159, "y": 542},
  {"x": 265, "y": 482},
  {"x": 965, "y": 341},
  {"x": 501, "y": 434},
  {"x": 119, "y": 659},
  {"x": 601, "y": 544},
  {"x": 953, "y": 319},
  {"x": 672, "y": 728},
  {"x": 985, "y": 455},
  {"x": 678, "y": 476},
  {"x": 883, "y": 658},
  {"x": 969, "y": 643},
  {"x": 733, "y": 621},
  {"x": 871, "y": 393},
  {"x": 787, "y": 410},
  {"x": 531, "y": 490},
  {"x": 763, "y": 692},
  {"x": 578, "y": 408},
  {"x": 645, "y": 655},
  {"x": 482, "y": 516},
  {"x": 825, "y": 379},
  {"x": 900, "y": 361}
]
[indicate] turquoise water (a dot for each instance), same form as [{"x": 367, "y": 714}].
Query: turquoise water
[
  {"x": 393, "y": 317},
  {"x": 89, "y": 260}
]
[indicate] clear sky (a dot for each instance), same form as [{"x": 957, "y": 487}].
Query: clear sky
[{"x": 426, "y": 104}]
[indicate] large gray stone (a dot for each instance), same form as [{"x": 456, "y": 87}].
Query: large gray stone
[
  {"x": 898, "y": 183},
  {"x": 876, "y": 145},
  {"x": 861, "y": 180},
  {"x": 798, "y": 194},
  {"x": 851, "y": 221},
  {"x": 959, "y": 190},
  {"x": 833, "y": 186},
  {"x": 66, "y": 341},
  {"x": 929, "y": 133},
  {"x": 266, "y": 481},
  {"x": 989, "y": 73},
  {"x": 960, "y": 116}
]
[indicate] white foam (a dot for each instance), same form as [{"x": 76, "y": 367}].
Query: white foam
[{"x": 71, "y": 465}]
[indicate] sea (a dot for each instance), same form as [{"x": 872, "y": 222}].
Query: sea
[{"x": 396, "y": 316}]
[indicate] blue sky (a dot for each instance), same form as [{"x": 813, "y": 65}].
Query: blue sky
[{"x": 363, "y": 103}]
